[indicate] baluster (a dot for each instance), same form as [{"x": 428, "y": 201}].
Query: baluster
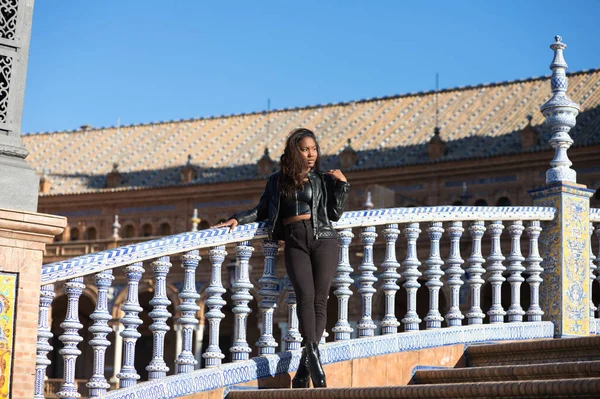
[
  {"x": 535, "y": 312},
  {"x": 475, "y": 315},
  {"x": 389, "y": 324},
  {"x": 411, "y": 273},
  {"x": 366, "y": 327},
  {"x": 342, "y": 282},
  {"x": 128, "y": 375},
  {"x": 44, "y": 334},
  {"x": 496, "y": 268},
  {"x": 293, "y": 338},
  {"x": 515, "y": 267},
  {"x": 98, "y": 384},
  {"x": 597, "y": 232},
  {"x": 434, "y": 273},
  {"x": 186, "y": 361},
  {"x": 592, "y": 270},
  {"x": 213, "y": 355},
  {"x": 455, "y": 272},
  {"x": 157, "y": 368},
  {"x": 270, "y": 292},
  {"x": 241, "y": 297},
  {"x": 70, "y": 338}
]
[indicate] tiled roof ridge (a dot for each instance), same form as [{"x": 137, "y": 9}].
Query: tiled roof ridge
[{"x": 306, "y": 107}]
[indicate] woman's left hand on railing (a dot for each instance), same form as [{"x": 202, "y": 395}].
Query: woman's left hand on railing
[{"x": 231, "y": 223}]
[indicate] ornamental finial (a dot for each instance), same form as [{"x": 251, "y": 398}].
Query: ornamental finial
[{"x": 560, "y": 112}]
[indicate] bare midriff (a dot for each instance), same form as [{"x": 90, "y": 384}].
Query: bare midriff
[{"x": 293, "y": 219}]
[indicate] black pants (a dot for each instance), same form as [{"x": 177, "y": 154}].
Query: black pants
[{"x": 311, "y": 265}]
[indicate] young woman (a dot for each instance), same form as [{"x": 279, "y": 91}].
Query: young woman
[{"x": 300, "y": 202}]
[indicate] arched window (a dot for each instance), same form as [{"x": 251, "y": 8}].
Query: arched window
[
  {"x": 457, "y": 203},
  {"x": 203, "y": 225},
  {"x": 147, "y": 230},
  {"x": 165, "y": 229},
  {"x": 91, "y": 233},
  {"x": 504, "y": 201},
  {"x": 74, "y": 234},
  {"x": 481, "y": 202},
  {"x": 129, "y": 231}
]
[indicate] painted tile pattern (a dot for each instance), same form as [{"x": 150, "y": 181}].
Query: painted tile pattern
[
  {"x": 8, "y": 293},
  {"x": 476, "y": 122}
]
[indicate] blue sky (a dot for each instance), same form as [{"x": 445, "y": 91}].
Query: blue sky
[{"x": 147, "y": 60}]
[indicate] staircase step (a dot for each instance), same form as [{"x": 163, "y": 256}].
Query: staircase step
[
  {"x": 545, "y": 371},
  {"x": 535, "y": 352},
  {"x": 567, "y": 388}
]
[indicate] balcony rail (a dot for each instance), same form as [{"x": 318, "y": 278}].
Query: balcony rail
[{"x": 496, "y": 227}]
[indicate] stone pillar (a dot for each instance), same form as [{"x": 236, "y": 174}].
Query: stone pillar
[
  {"x": 564, "y": 245},
  {"x": 15, "y": 174},
  {"x": 23, "y": 238}
]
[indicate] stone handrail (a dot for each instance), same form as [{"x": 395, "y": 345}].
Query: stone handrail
[
  {"x": 105, "y": 260},
  {"x": 595, "y": 215}
]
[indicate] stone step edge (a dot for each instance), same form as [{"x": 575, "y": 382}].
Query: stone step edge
[
  {"x": 566, "y": 388},
  {"x": 526, "y": 372},
  {"x": 558, "y": 344}
]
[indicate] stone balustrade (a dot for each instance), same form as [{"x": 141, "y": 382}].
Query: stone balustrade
[{"x": 399, "y": 231}]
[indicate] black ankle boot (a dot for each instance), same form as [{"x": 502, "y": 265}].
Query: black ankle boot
[
  {"x": 302, "y": 377},
  {"x": 315, "y": 367}
]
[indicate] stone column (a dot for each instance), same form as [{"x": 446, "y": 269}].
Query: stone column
[
  {"x": 16, "y": 175},
  {"x": 564, "y": 245},
  {"x": 23, "y": 238}
]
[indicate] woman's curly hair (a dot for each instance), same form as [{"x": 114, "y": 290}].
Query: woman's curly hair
[{"x": 292, "y": 163}]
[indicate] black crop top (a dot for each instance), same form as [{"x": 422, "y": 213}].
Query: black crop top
[{"x": 297, "y": 204}]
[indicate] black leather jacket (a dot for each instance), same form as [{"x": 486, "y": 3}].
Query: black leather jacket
[{"x": 328, "y": 203}]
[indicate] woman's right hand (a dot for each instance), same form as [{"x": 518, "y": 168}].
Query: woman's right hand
[{"x": 231, "y": 223}]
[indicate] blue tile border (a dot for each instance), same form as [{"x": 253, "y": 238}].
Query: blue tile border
[{"x": 232, "y": 374}]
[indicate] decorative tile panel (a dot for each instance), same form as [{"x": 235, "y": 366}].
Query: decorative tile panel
[{"x": 8, "y": 294}]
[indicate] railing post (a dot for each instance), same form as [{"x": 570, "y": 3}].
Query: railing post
[
  {"x": 71, "y": 338},
  {"x": 475, "y": 315},
  {"x": 515, "y": 267},
  {"x": 241, "y": 297},
  {"x": 213, "y": 355},
  {"x": 128, "y": 375},
  {"x": 270, "y": 292},
  {"x": 411, "y": 273},
  {"x": 534, "y": 313},
  {"x": 496, "y": 268},
  {"x": 186, "y": 360},
  {"x": 366, "y": 327},
  {"x": 434, "y": 273},
  {"x": 43, "y": 345},
  {"x": 592, "y": 275},
  {"x": 564, "y": 243},
  {"x": 157, "y": 368},
  {"x": 454, "y": 271},
  {"x": 390, "y": 276},
  {"x": 97, "y": 384},
  {"x": 597, "y": 260},
  {"x": 293, "y": 338},
  {"x": 342, "y": 282}
]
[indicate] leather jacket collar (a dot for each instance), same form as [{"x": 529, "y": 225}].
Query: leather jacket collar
[{"x": 329, "y": 200}]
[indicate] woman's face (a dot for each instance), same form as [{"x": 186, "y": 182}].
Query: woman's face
[{"x": 308, "y": 150}]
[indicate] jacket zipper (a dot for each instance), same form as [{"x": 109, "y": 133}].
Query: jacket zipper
[{"x": 313, "y": 210}]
